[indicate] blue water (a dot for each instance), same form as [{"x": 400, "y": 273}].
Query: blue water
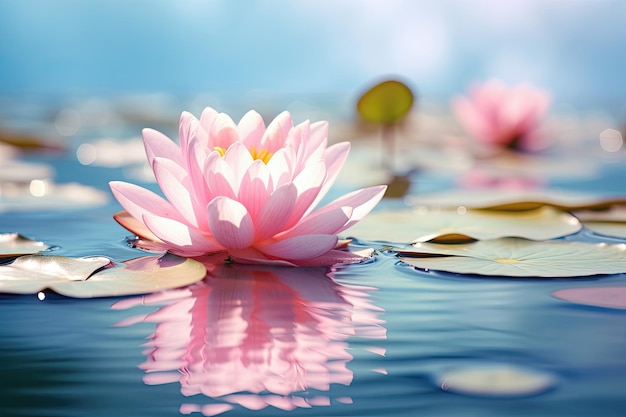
[{"x": 364, "y": 340}]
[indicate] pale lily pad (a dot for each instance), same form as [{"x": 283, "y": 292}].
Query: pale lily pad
[
  {"x": 23, "y": 172},
  {"x": 96, "y": 276},
  {"x": 514, "y": 257},
  {"x": 14, "y": 244},
  {"x": 422, "y": 225},
  {"x": 112, "y": 153},
  {"x": 607, "y": 228},
  {"x": 496, "y": 381},
  {"x": 517, "y": 199},
  {"x": 607, "y": 297},
  {"x": 47, "y": 195},
  {"x": 33, "y": 273},
  {"x": 610, "y": 222},
  {"x": 616, "y": 214}
]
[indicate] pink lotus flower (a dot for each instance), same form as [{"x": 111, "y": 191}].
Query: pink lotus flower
[
  {"x": 498, "y": 116},
  {"x": 245, "y": 190},
  {"x": 257, "y": 336},
  {"x": 478, "y": 178}
]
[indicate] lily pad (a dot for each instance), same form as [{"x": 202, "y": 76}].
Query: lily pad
[
  {"x": 27, "y": 142},
  {"x": 441, "y": 225},
  {"x": 496, "y": 381},
  {"x": 616, "y": 214},
  {"x": 47, "y": 195},
  {"x": 607, "y": 228},
  {"x": 514, "y": 257},
  {"x": 96, "y": 276},
  {"x": 610, "y": 222},
  {"x": 14, "y": 244},
  {"x": 607, "y": 297},
  {"x": 385, "y": 103},
  {"x": 518, "y": 199},
  {"x": 23, "y": 172}
]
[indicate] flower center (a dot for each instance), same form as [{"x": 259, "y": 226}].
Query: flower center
[
  {"x": 264, "y": 155},
  {"x": 507, "y": 261}
]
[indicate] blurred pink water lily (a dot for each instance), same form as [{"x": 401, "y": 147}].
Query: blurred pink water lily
[
  {"x": 245, "y": 189},
  {"x": 499, "y": 116}
]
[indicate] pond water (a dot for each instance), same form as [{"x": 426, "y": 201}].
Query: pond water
[{"x": 374, "y": 339}]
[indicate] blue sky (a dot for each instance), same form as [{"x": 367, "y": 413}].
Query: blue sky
[{"x": 576, "y": 48}]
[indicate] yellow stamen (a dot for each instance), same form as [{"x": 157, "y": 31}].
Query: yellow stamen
[
  {"x": 264, "y": 155},
  {"x": 507, "y": 261}
]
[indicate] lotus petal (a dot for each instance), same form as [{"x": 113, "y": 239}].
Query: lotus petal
[
  {"x": 423, "y": 225},
  {"x": 514, "y": 257},
  {"x": 14, "y": 244},
  {"x": 96, "y": 276}
]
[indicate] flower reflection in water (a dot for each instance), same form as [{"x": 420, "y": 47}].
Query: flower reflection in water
[{"x": 257, "y": 336}]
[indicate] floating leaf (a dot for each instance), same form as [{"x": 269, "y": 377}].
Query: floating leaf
[
  {"x": 385, "y": 103},
  {"x": 616, "y": 213},
  {"x": 608, "y": 297},
  {"x": 610, "y": 222},
  {"x": 33, "y": 273},
  {"x": 86, "y": 278},
  {"x": 47, "y": 195},
  {"x": 496, "y": 380},
  {"x": 422, "y": 225},
  {"x": 14, "y": 244},
  {"x": 607, "y": 228},
  {"x": 13, "y": 173},
  {"x": 398, "y": 186},
  {"x": 517, "y": 199},
  {"x": 513, "y": 257},
  {"x": 27, "y": 142}
]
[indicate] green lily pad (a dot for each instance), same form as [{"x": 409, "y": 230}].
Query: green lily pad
[
  {"x": 14, "y": 244},
  {"x": 513, "y": 257},
  {"x": 385, "y": 103},
  {"x": 96, "y": 276}
]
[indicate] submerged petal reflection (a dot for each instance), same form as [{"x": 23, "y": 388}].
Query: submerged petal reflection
[{"x": 258, "y": 336}]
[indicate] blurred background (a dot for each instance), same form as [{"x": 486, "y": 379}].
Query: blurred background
[
  {"x": 312, "y": 48},
  {"x": 86, "y": 77}
]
